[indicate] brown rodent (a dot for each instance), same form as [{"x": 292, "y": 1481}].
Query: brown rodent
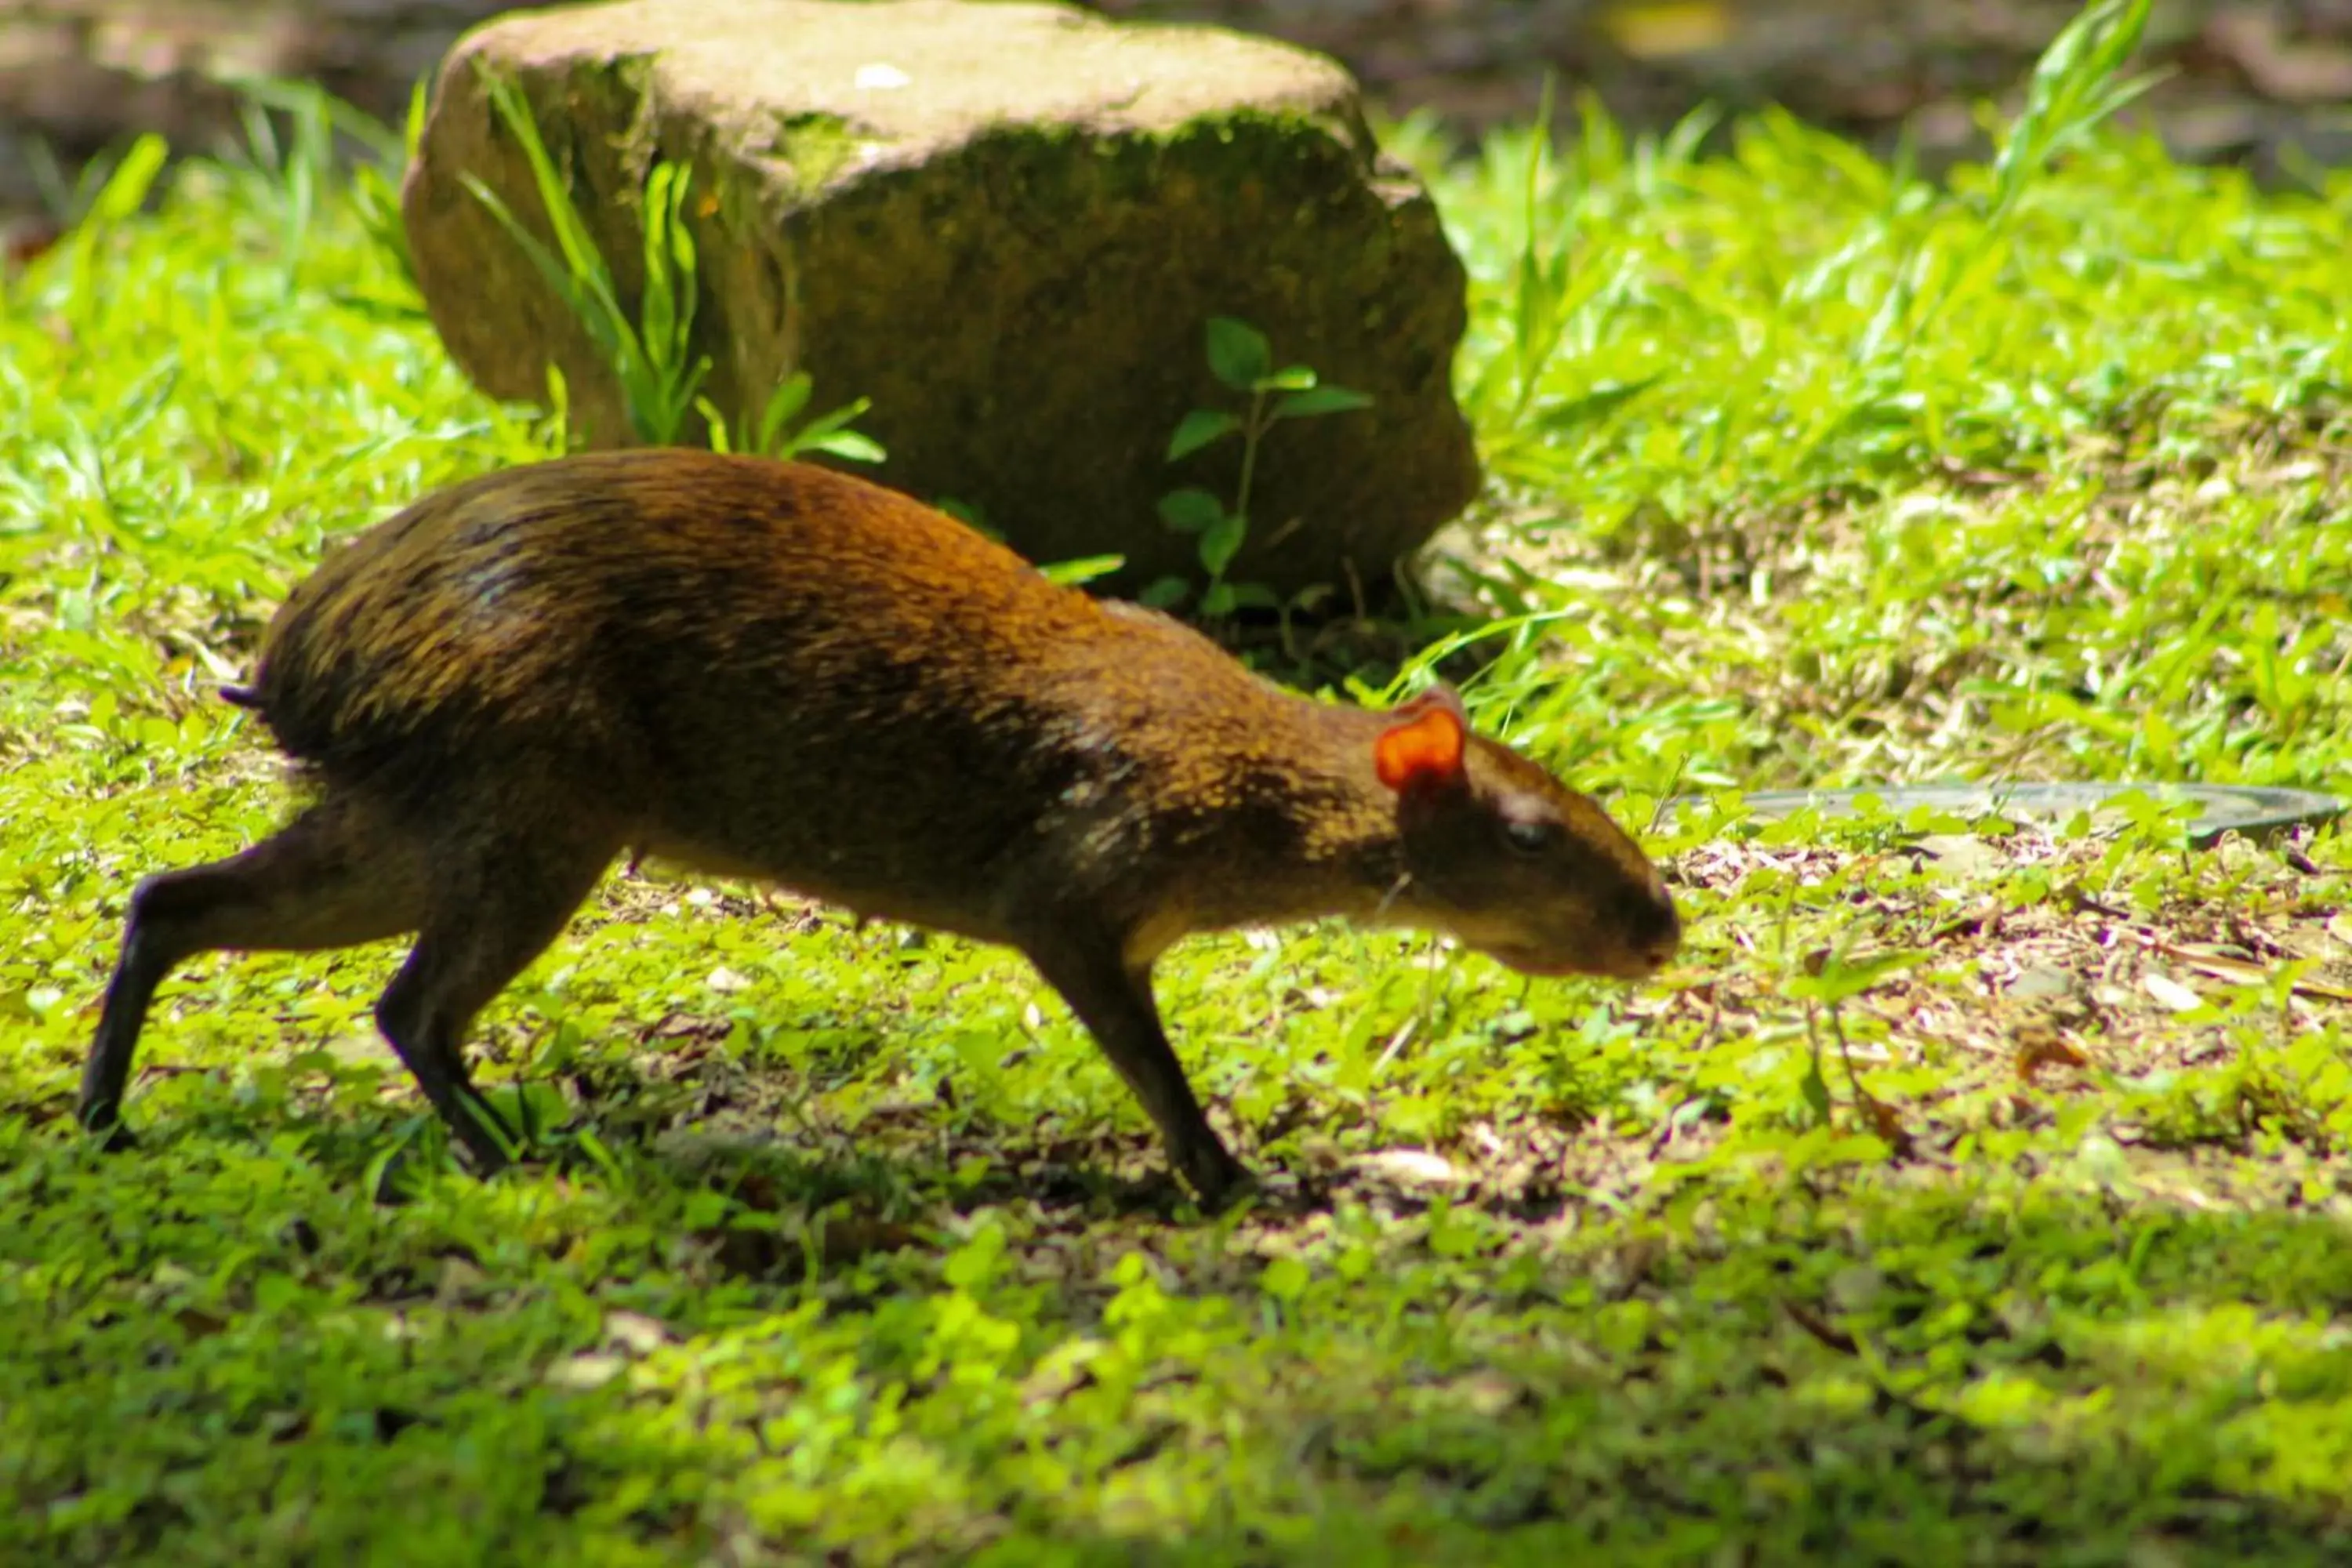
[{"x": 767, "y": 670}]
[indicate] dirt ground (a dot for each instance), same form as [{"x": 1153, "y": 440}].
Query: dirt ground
[
  {"x": 2250, "y": 76},
  {"x": 2251, "y": 79}
]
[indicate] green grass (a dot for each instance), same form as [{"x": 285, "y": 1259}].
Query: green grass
[{"x": 857, "y": 1245}]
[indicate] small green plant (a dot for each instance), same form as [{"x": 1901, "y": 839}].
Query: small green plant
[
  {"x": 2076, "y": 87},
  {"x": 649, "y": 355},
  {"x": 1828, "y": 979},
  {"x": 287, "y": 156},
  {"x": 1553, "y": 288},
  {"x": 375, "y": 196},
  {"x": 652, "y": 357},
  {"x": 1241, "y": 359},
  {"x": 87, "y": 210},
  {"x": 775, "y": 435}
]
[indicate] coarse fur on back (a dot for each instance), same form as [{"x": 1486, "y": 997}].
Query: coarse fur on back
[{"x": 765, "y": 669}]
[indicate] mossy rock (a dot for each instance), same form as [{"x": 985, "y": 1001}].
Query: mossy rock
[{"x": 1004, "y": 224}]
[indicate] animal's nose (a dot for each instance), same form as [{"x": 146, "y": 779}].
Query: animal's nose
[{"x": 1658, "y": 928}]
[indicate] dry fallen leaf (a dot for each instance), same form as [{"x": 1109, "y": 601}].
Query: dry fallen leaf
[
  {"x": 1888, "y": 1126},
  {"x": 635, "y": 1333},
  {"x": 1962, "y": 857},
  {"x": 1984, "y": 916},
  {"x": 2040, "y": 1048},
  {"x": 1412, "y": 1166},
  {"x": 1661, "y": 31},
  {"x": 2170, "y": 993},
  {"x": 2240, "y": 971},
  {"x": 593, "y": 1369}
]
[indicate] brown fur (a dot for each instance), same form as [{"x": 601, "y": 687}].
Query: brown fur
[{"x": 769, "y": 670}]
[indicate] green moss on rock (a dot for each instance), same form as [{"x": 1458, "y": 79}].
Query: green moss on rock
[{"x": 1009, "y": 241}]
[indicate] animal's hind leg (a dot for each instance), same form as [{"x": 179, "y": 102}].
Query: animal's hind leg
[
  {"x": 484, "y": 929},
  {"x": 334, "y": 877}
]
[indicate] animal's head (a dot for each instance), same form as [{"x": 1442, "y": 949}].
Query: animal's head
[{"x": 1511, "y": 861}]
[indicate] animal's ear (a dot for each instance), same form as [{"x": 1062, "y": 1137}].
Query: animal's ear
[{"x": 1425, "y": 744}]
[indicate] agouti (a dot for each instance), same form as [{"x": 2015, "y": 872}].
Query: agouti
[{"x": 765, "y": 669}]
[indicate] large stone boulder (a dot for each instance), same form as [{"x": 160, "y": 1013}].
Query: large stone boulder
[{"x": 1006, "y": 224}]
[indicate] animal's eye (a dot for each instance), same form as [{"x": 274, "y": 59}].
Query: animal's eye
[{"x": 1530, "y": 837}]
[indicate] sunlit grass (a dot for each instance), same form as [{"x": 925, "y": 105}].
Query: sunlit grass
[{"x": 851, "y": 1242}]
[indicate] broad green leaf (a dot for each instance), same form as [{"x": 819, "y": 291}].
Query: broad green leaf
[
  {"x": 1190, "y": 510},
  {"x": 1221, "y": 541},
  {"x": 1321, "y": 400},
  {"x": 1238, "y": 354},
  {"x": 1198, "y": 428}
]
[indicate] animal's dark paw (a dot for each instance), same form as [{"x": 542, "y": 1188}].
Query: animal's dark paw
[
  {"x": 1220, "y": 1183},
  {"x": 112, "y": 1136}
]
